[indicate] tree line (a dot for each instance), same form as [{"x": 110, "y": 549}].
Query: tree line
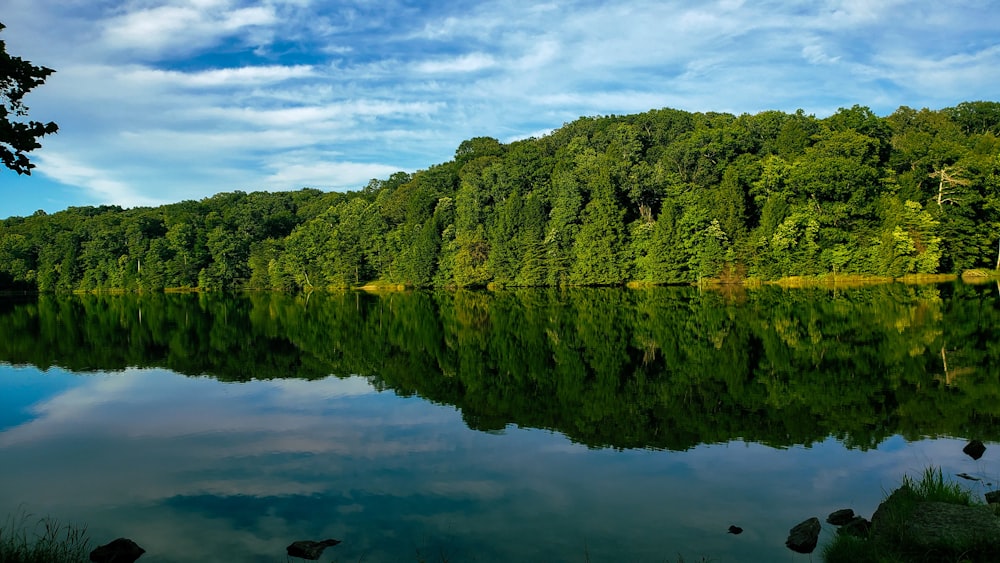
[
  {"x": 662, "y": 197},
  {"x": 663, "y": 367}
]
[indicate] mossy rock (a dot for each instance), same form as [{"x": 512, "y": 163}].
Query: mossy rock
[
  {"x": 936, "y": 529},
  {"x": 936, "y": 525}
]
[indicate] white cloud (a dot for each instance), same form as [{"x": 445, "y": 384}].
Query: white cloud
[
  {"x": 182, "y": 26},
  {"x": 954, "y": 76},
  {"x": 101, "y": 185},
  {"x": 335, "y": 116},
  {"x": 471, "y": 62},
  {"x": 815, "y": 54},
  {"x": 859, "y": 12},
  {"x": 237, "y": 76}
]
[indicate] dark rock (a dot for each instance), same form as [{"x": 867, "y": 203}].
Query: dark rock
[
  {"x": 881, "y": 517},
  {"x": 311, "y": 550},
  {"x": 935, "y": 524},
  {"x": 803, "y": 537},
  {"x": 840, "y": 517},
  {"x": 974, "y": 449},
  {"x": 121, "y": 550},
  {"x": 993, "y": 497},
  {"x": 857, "y": 527},
  {"x": 736, "y": 530}
]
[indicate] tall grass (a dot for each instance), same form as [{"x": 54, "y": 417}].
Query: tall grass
[
  {"x": 933, "y": 487},
  {"x": 26, "y": 539}
]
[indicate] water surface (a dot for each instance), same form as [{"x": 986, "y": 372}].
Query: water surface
[{"x": 600, "y": 425}]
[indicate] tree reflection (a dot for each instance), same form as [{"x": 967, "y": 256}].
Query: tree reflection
[{"x": 654, "y": 368}]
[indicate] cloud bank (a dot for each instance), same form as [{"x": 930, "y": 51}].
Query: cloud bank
[{"x": 160, "y": 101}]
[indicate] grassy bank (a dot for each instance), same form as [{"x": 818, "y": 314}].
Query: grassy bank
[
  {"x": 26, "y": 539},
  {"x": 890, "y": 538}
]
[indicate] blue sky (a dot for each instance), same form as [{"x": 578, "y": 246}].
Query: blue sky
[{"x": 165, "y": 100}]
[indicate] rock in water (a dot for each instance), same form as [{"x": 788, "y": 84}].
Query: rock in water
[
  {"x": 121, "y": 550},
  {"x": 974, "y": 449},
  {"x": 840, "y": 517},
  {"x": 857, "y": 527},
  {"x": 803, "y": 537},
  {"x": 735, "y": 530},
  {"x": 311, "y": 550}
]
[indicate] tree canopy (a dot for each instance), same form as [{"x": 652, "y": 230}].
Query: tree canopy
[
  {"x": 661, "y": 197},
  {"x": 17, "y": 78}
]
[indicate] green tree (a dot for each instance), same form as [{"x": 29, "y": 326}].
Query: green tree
[
  {"x": 17, "y": 262},
  {"x": 505, "y": 240},
  {"x": 188, "y": 252},
  {"x": 977, "y": 117},
  {"x": 305, "y": 255},
  {"x": 599, "y": 247},
  {"x": 563, "y": 225},
  {"x": 532, "y": 266},
  {"x": 17, "y": 78},
  {"x": 909, "y": 243}
]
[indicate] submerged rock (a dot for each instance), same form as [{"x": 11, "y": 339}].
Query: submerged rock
[
  {"x": 121, "y": 550},
  {"x": 840, "y": 517},
  {"x": 804, "y": 536},
  {"x": 307, "y": 549},
  {"x": 735, "y": 530},
  {"x": 974, "y": 449}
]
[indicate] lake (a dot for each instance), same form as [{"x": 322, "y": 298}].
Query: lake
[{"x": 535, "y": 425}]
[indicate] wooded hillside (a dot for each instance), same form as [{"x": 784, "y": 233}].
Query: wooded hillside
[{"x": 665, "y": 196}]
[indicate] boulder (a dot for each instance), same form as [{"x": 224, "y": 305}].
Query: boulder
[
  {"x": 804, "y": 536},
  {"x": 840, "y": 517},
  {"x": 974, "y": 449},
  {"x": 935, "y": 524},
  {"x": 121, "y": 550},
  {"x": 896, "y": 498},
  {"x": 307, "y": 549}
]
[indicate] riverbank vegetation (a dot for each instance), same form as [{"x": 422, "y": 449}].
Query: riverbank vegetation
[
  {"x": 891, "y": 538},
  {"x": 662, "y": 197},
  {"x": 25, "y": 539}
]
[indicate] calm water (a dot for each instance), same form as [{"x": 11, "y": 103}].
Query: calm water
[{"x": 590, "y": 425}]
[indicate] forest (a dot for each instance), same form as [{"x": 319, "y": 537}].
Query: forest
[{"x": 662, "y": 197}]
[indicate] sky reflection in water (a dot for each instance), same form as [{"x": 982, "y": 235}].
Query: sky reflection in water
[{"x": 198, "y": 470}]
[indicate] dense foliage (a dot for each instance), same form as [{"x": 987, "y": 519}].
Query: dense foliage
[
  {"x": 658, "y": 367},
  {"x": 665, "y": 196}
]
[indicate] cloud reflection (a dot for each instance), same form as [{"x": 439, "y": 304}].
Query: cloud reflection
[{"x": 196, "y": 469}]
